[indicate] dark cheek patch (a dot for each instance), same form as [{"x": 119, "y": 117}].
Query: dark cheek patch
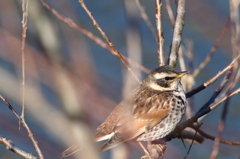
[{"x": 162, "y": 83}]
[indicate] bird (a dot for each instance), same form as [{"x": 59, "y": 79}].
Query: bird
[{"x": 150, "y": 112}]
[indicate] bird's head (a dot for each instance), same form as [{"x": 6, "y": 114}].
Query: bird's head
[{"x": 164, "y": 78}]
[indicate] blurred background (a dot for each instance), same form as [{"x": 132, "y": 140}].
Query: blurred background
[{"x": 72, "y": 83}]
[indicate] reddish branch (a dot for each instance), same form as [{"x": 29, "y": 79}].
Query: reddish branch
[
  {"x": 207, "y": 136},
  {"x": 97, "y": 40},
  {"x": 115, "y": 51}
]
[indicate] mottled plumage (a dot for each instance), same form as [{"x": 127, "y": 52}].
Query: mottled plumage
[{"x": 157, "y": 105}]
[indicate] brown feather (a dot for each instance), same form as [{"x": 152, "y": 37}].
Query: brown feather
[{"x": 134, "y": 123}]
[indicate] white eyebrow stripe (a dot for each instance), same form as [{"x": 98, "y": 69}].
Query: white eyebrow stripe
[
  {"x": 157, "y": 87},
  {"x": 163, "y": 75},
  {"x": 160, "y": 75}
]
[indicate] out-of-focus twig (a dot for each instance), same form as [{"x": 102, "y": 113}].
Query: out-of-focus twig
[
  {"x": 10, "y": 146},
  {"x": 170, "y": 12},
  {"x": 24, "y": 35},
  {"x": 224, "y": 113},
  {"x": 178, "y": 28},
  {"x": 160, "y": 32},
  {"x": 235, "y": 26},
  {"x": 213, "y": 49},
  {"x": 108, "y": 41},
  {"x": 221, "y": 126},
  {"x": 146, "y": 19},
  {"x": 97, "y": 40},
  {"x": 212, "y": 80},
  {"x": 133, "y": 45},
  {"x": 22, "y": 120}
]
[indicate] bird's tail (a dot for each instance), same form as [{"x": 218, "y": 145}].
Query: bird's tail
[{"x": 71, "y": 150}]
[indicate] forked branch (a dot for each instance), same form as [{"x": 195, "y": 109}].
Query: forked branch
[
  {"x": 22, "y": 120},
  {"x": 212, "y": 80}
]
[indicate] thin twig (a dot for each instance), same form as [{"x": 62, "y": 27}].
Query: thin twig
[
  {"x": 97, "y": 40},
  {"x": 108, "y": 41},
  {"x": 10, "y": 107},
  {"x": 22, "y": 120},
  {"x": 195, "y": 134},
  {"x": 10, "y": 146},
  {"x": 214, "y": 138},
  {"x": 213, "y": 49},
  {"x": 213, "y": 106},
  {"x": 146, "y": 19},
  {"x": 212, "y": 80},
  {"x": 176, "y": 41},
  {"x": 160, "y": 32},
  {"x": 24, "y": 30}
]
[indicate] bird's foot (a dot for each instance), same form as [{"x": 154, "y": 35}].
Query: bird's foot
[{"x": 157, "y": 149}]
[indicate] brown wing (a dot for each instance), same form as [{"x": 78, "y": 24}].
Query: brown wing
[
  {"x": 107, "y": 127},
  {"x": 149, "y": 109}
]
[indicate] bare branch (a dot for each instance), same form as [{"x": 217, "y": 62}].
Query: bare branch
[
  {"x": 176, "y": 41},
  {"x": 160, "y": 32},
  {"x": 24, "y": 30},
  {"x": 10, "y": 107},
  {"x": 213, "y": 49},
  {"x": 107, "y": 39},
  {"x": 217, "y": 91},
  {"x": 10, "y": 146},
  {"x": 97, "y": 40}
]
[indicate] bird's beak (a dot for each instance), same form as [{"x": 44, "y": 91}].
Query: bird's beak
[{"x": 182, "y": 74}]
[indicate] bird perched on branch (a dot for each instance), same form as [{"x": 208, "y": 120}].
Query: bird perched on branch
[{"x": 149, "y": 113}]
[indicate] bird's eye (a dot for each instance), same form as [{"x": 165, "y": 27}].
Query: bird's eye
[{"x": 169, "y": 78}]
